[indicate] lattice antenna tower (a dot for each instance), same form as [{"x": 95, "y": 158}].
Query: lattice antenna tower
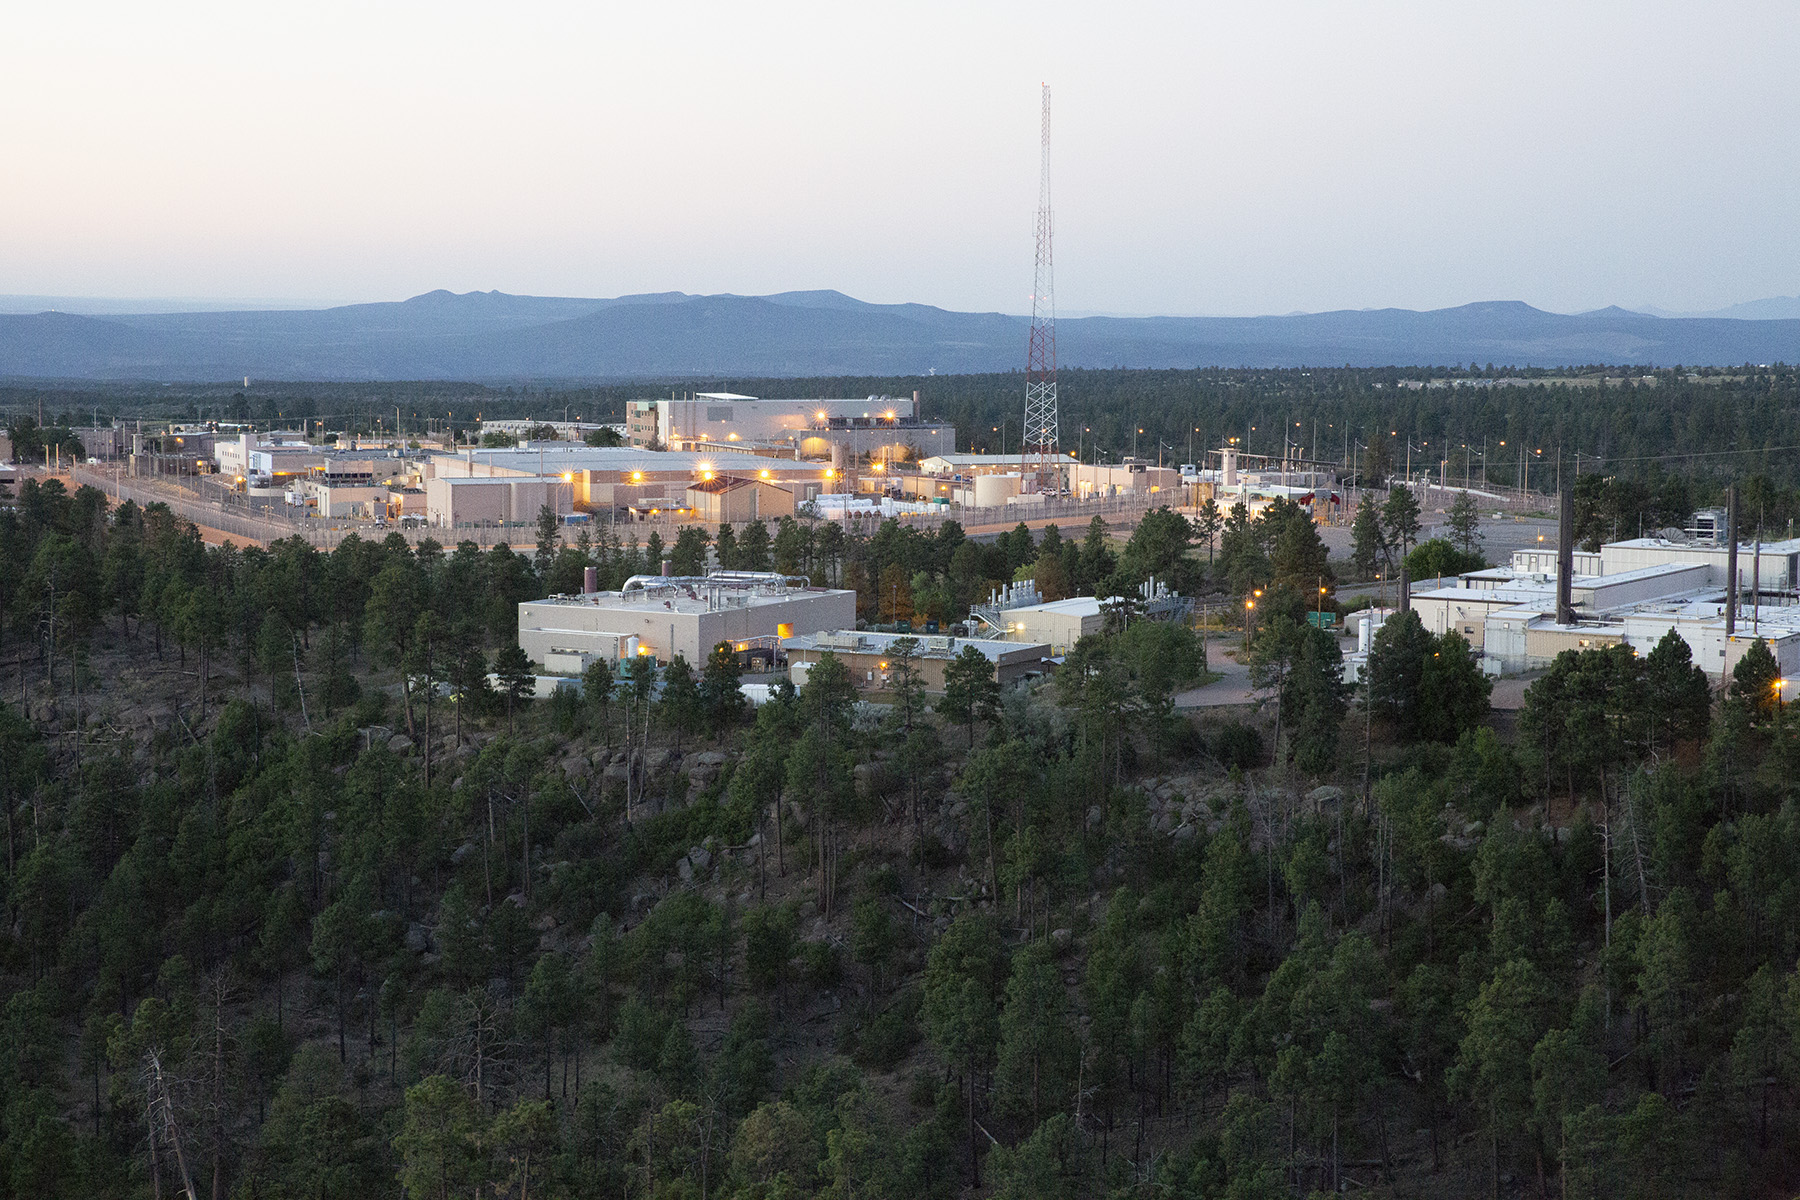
[{"x": 1038, "y": 447}]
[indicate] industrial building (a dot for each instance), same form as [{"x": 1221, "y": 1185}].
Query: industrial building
[
  {"x": 1015, "y": 612},
  {"x": 1056, "y": 623},
  {"x": 624, "y": 480},
  {"x": 1647, "y": 587},
  {"x": 991, "y": 480},
  {"x": 738, "y": 498},
  {"x": 662, "y": 616},
  {"x": 869, "y": 656},
  {"x": 884, "y": 427},
  {"x": 453, "y": 502}
]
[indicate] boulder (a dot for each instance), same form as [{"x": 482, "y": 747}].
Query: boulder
[
  {"x": 1184, "y": 832},
  {"x": 400, "y": 744},
  {"x": 1095, "y": 818},
  {"x": 418, "y": 938},
  {"x": 1061, "y": 940},
  {"x": 701, "y": 857},
  {"x": 684, "y": 870}
]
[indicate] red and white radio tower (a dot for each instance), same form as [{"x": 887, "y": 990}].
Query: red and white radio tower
[{"x": 1040, "y": 460}]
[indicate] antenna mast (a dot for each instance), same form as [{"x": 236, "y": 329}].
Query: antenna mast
[{"x": 1038, "y": 448}]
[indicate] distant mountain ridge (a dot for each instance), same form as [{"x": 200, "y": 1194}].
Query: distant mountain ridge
[{"x": 493, "y": 336}]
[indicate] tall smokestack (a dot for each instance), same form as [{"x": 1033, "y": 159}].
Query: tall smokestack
[
  {"x": 1731, "y": 570},
  {"x": 1405, "y": 601},
  {"x": 1565, "y": 556}
]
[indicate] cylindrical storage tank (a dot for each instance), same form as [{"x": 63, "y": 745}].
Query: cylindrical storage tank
[
  {"x": 1363, "y": 637},
  {"x": 590, "y": 580},
  {"x": 992, "y": 491},
  {"x": 837, "y": 455}
]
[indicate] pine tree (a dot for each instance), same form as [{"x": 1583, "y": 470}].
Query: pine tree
[
  {"x": 513, "y": 670},
  {"x": 1465, "y": 524},
  {"x": 971, "y": 690},
  {"x": 753, "y": 547},
  {"x": 725, "y": 547},
  {"x": 1368, "y": 543},
  {"x": 1400, "y": 521}
]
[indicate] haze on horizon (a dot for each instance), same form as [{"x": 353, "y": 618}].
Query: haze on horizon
[{"x": 1224, "y": 159}]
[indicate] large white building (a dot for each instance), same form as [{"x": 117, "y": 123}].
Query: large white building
[
  {"x": 879, "y": 426},
  {"x": 607, "y": 479},
  {"x": 1647, "y": 587},
  {"x": 663, "y": 617}
]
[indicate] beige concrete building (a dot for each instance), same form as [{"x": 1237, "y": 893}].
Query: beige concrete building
[
  {"x": 605, "y": 479},
  {"x": 734, "y": 498},
  {"x": 454, "y": 502},
  {"x": 1058, "y": 624},
  {"x": 869, "y": 656},
  {"x": 663, "y": 617}
]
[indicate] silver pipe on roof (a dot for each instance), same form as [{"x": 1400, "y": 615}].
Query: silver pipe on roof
[{"x": 730, "y": 579}]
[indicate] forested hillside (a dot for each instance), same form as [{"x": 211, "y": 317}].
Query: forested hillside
[{"x": 297, "y": 904}]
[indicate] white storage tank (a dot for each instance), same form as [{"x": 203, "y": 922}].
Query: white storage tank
[{"x": 992, "y": 491}]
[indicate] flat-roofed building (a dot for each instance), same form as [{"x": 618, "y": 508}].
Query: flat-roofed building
[
  {"x": 870, "y": 656},
  {"x": 505, "y": 500},
  {"x": 663, "y": 617},
  {"x": 624, "y": 478},
  {"x": 1058, "y": 624},
  {"x": 715, "y": 417},
  {"x": 1773, "y": 566}
]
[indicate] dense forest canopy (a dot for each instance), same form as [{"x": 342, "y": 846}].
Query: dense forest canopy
[{"x": 305, "y": 896}]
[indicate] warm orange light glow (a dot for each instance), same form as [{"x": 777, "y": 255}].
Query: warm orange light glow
[
  {"x": 568, "y": 477},
  {"x": 764, "y": 474},
  {"x": 637, "y": 477},
  {"x": 821, "y": 415},
  {"x": 830, "y": 474}
]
